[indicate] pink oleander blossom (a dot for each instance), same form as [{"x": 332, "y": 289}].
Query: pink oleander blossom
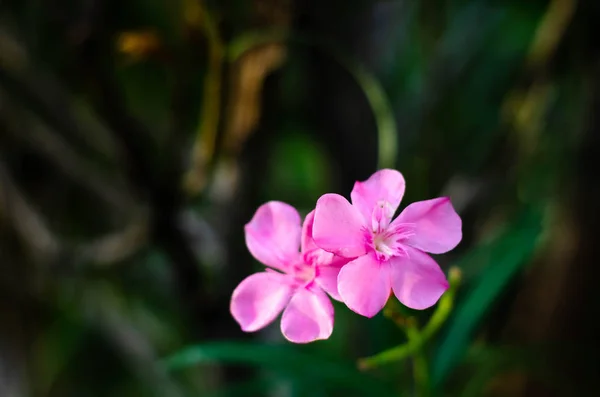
[
  {"x": 390, "y": 255},
  {"x": 298, "y": 288}
]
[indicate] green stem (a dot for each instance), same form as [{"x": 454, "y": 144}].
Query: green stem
[
  {"x": 206, "y": 135},
  {"x": 415, "y": 343},
  {"x": 374, "y": 92},
  {"x": 420, "y": 365}
]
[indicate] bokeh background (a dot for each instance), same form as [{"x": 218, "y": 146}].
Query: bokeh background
[{"x": 138, "y": 137}]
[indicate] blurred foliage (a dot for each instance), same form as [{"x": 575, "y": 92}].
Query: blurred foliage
[{"x": 138, "y": 137}]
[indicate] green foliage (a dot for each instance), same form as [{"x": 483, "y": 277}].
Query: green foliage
[
  {"x": 457, "y": 107},
  {"x": 501, "y": 259},
  {"x": 316, "y": 374},
  {"x": 297, "y": 169}
]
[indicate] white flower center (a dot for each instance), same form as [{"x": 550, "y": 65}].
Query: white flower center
[{"x": 383, "y": 245}]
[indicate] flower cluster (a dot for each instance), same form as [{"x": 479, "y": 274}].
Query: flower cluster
[{"x": 354, "y": 252}]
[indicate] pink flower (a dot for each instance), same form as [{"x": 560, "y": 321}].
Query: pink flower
[
  {"x": 390, "y": 255},
  {"x": 273, "y": 237}
]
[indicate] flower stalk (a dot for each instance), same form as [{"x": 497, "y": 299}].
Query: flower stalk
[{"x": 416, "y": 338}]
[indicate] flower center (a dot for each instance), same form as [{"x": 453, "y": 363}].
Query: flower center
[
  {"x": 383, "y": 245},
  {"x": 304, "y": 273},
  {"x": 390, "y": 242}
]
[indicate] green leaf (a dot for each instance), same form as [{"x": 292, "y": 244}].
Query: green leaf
[
  {"x": 254, "y": 387},
  {"x": 487, "y": 362},
  {"x": 298, "y": 169},
  {"x": 288, "y": 361},
  {"x": 503, "y": 258},
  {"x": 54, "y": 349}
]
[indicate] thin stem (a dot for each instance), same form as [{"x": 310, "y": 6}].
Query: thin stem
[
  {"x": 206, "y": 136},
  {"x": 392, "y": 311},
  {"x": 420, "y": 365},
  {"x": 414, "y": 344},
  {"x": 374, "y": 92}
]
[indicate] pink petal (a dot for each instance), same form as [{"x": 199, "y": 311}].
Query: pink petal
[
  {"x": 327, "y": 279},
  {"x": 384, "y": 185},
  {"x": 417, "y": 280},
  {"x": 338, "y": 227},
  {"x": 307, "y": 243},
  {"x": 436, "y": 225},
  {"x": 308, "y": 317},
  {"x": 364, "y": 285},
  {"x": 273, "y": 234},
  {"x": 259, "y": 299}
]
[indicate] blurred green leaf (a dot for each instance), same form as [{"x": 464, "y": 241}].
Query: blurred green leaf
[
  {"x": 504, "y": 257},
  {"x": 298, "y": 171},
  {"x": 284, "y": 360},
  {"x": 254, "y": 387},
  {"x": 146, "y": 89},
  {"x": 59, "y": 344},
  {"x": 488, "y": 362}
]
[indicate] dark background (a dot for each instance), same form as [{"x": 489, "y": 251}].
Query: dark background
[{"x": 138, "y": 137}]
